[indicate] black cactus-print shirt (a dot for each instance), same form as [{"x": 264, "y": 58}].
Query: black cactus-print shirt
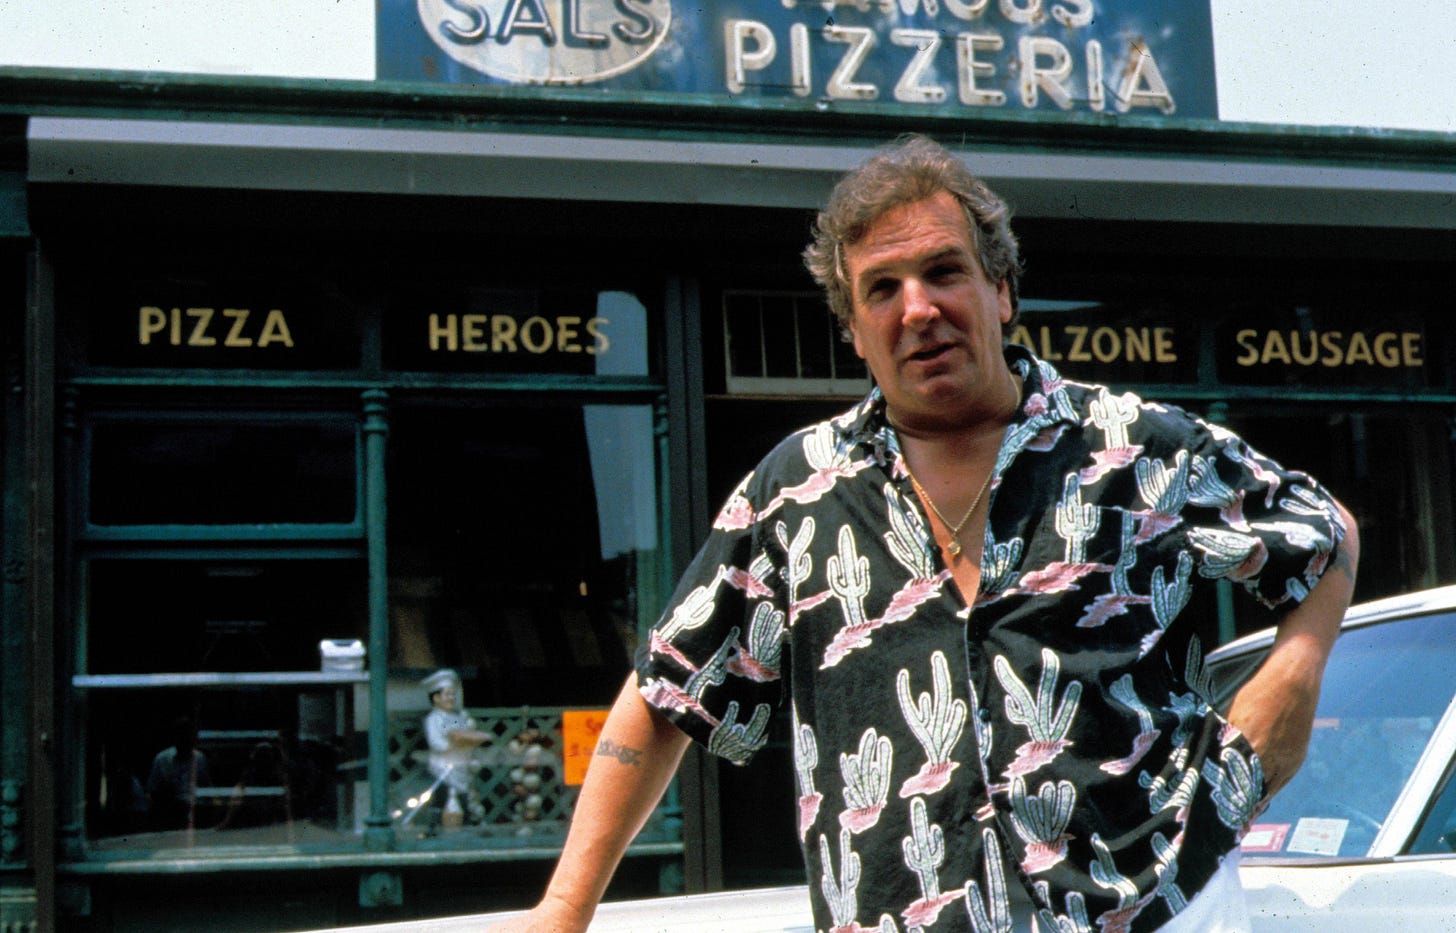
[{"x": 1057, "y": 733}]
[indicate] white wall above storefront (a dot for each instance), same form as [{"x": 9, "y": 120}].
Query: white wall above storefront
[{"x": 296, "y": 39}]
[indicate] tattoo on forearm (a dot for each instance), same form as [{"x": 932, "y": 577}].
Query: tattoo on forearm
[{"x": 624, "y": 755}]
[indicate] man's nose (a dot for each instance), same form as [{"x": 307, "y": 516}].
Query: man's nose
[{"x": 920, "y": 308}]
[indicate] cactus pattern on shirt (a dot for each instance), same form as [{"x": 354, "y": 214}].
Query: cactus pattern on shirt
[{"x": 1052, "y": 730}]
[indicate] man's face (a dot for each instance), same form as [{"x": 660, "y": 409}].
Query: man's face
[
  {"x": 444, "y": 699},
  {"x": 925, "y": 318}
]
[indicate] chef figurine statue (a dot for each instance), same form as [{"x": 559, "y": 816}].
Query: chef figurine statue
[{"x": 452, "y": 737}]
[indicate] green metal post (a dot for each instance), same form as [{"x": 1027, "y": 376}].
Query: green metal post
[
  {"x": 14, "y": 643},
  {"x": 378, "y": 834},
  {"x": 73, "y": 595},
  {"x": 40, "y": 453}
]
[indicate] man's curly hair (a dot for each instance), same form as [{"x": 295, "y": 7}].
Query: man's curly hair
[{"x": 912, "y": 168}]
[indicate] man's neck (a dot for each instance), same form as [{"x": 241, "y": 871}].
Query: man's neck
[{"x": 954, "y": 441}]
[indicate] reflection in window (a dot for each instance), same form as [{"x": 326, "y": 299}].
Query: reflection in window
[
  {"x": 619, "y": 441},
  {"x": 627, "y": 319}
]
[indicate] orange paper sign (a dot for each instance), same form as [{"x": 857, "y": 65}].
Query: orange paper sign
[{"x": 580, "y": 729}]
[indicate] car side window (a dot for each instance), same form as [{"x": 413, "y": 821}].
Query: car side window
[
  {"x": 1437, "y": 835},
  {"x": 1387, "y": 690}
]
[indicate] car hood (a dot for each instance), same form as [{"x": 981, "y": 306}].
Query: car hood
[{"x": 1414, "y": 894}]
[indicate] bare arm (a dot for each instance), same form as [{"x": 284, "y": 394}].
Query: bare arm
[
  {"x": 1275, "y": 708},
  {"x": 636, "y": 757}
]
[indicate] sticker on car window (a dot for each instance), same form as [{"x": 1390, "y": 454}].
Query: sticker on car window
[
  {"x": 1317, "y": 836},
  {"x": 1265, "y": 837}
]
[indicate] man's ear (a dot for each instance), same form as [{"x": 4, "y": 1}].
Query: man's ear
[
  {"x": 1003, "y": 299},
  {"x": 854, "y": 336}
]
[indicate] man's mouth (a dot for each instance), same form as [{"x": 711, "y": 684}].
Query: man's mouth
[{"x": 929, "y": 353}]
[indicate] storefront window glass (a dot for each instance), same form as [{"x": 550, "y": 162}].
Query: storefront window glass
[
  {"x": 209, "y": 721},
  {"x": 524, "y": 558},
  {"x": 220, "y": 544},
  {"x": 178, "y": 473}
]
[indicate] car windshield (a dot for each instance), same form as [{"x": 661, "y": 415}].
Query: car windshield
[{"x": 1385, "y": 689}]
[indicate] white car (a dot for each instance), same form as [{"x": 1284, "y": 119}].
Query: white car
[{"x": 1363, "y": 839}]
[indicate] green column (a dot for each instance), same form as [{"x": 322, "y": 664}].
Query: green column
[{"x": 378, "y": 833}]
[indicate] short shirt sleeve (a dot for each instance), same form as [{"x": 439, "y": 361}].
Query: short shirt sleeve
[
  {"x": 712, "y": 663},
  {"x": 1267, "y": 528}
]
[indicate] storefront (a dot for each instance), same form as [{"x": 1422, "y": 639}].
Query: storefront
[
  {"x": 314, "y": 390},
  {"x": 284, "y": 444}
]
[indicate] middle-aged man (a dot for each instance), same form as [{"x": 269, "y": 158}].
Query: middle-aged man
[{"x": 986, "y": 592}]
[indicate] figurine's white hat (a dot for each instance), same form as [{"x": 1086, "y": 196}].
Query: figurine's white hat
[{"x": 441, "y": 679}]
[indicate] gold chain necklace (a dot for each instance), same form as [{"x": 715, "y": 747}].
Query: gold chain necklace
[
  {"x": 955, "y": 530},
  {"x": 955, "y": 548}
]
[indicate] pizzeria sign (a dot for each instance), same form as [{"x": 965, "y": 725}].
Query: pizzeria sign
[{"x": 1045, "y": 56}]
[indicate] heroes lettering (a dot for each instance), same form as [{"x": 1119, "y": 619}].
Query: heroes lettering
[{"x": 501, "y": 333}]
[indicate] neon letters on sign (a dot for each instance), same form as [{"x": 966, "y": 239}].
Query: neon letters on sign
[
  {"x": 1050, "y": 56},
  {"x": 959, "y": 53}
]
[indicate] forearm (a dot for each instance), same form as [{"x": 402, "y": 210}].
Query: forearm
[
  {"x": 636, "y": 757},
  {"x": 1306, "y": 635},
  {"x": 1276, "y": 707}
]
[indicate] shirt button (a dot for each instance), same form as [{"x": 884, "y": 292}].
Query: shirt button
[{"x": 983, "y": 714}]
